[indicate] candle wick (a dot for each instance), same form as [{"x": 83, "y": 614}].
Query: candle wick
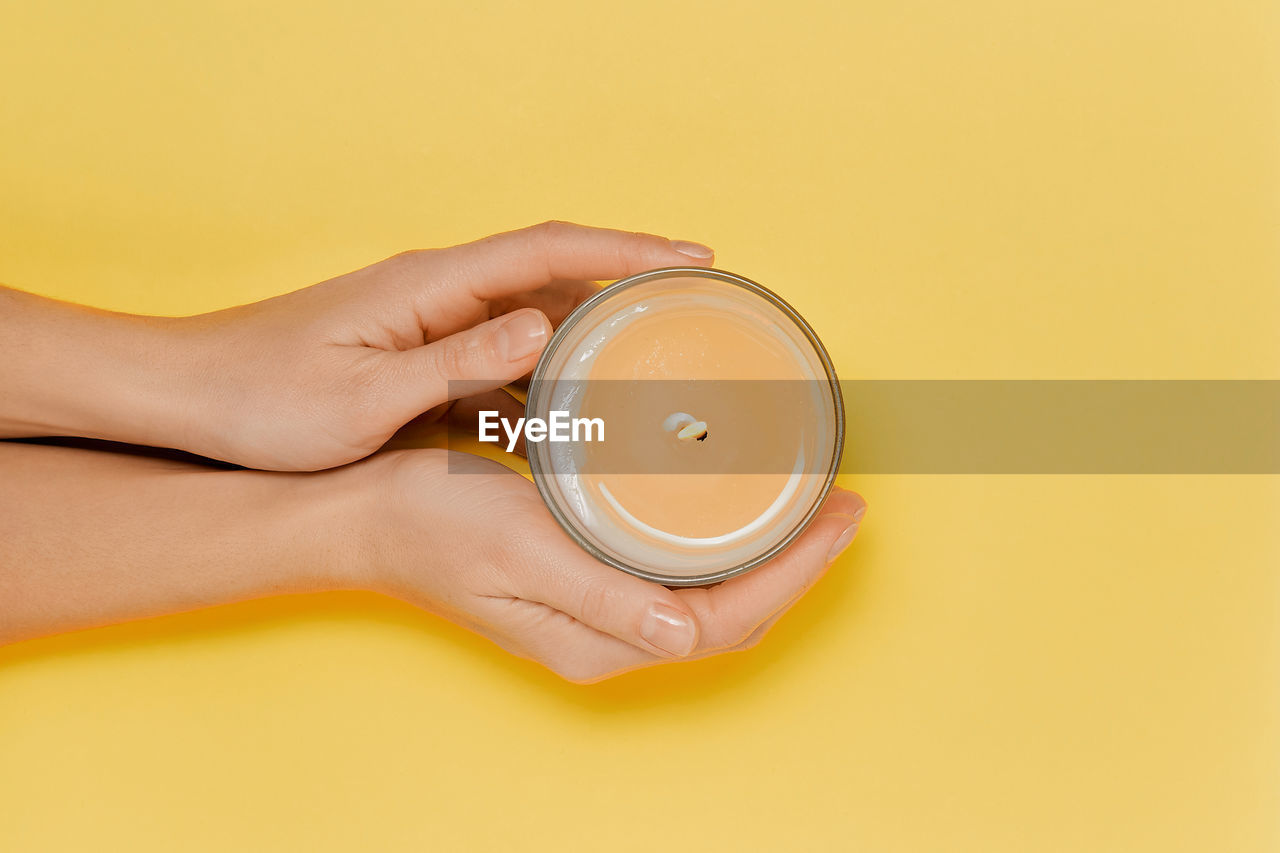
[{"x": 686, "y": 427}]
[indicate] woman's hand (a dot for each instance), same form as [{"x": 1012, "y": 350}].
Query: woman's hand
[
  {"x": 131, "y": 537},
  {"x": 322, "y": 376},
  {"x": 471, "y": 540}
]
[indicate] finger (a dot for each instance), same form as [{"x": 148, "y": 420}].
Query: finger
[
  {"x": 530, "y": 258},
  {"x": 758, "y": 634},
  {"x": 557, "y": 300},
  {"x": 482, "y": 358},
  {"x": 764, "y": 627},
  {"x": 572, "y": 649},
  {"x": 730, "y": 612},
  {"x": 546, "y": 581},
  {"x": 650, "y": 617},
  {"x": 465, "y": 413}
]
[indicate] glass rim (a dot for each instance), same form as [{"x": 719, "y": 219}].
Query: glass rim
[{"x": 575, "y": 530}]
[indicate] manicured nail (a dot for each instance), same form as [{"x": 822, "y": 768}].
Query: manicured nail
[
  {"x": 669, "y": 630},
  {"x": 842, "y": 542},
  {"x": 693, "y": 250},
  {"x": 859, "y": 512},
  {"x": 522, "y": 335}
]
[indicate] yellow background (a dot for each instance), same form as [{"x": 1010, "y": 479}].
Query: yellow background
[{"x": 947, "y": 190}]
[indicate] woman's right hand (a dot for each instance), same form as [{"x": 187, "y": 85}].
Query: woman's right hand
[
  {"x": 322, "y": 376},
  {"x": 478, "y": 547}
]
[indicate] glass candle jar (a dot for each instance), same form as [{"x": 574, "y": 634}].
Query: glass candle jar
[{"x": 721, "y": 425}]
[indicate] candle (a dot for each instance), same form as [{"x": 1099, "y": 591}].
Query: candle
[{"x": 721, "y": 425}]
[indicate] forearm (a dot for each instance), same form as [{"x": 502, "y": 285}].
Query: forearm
[
  {"x": 90, "y": 538},
  {"x": 71, "y": 370}
]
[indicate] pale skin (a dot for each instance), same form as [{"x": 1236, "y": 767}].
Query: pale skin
[{"x": 303, "y": 390}]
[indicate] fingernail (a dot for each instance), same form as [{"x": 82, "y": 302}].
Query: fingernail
[
  {"x": 669, "y": 630},
  {"x": 842, "y": 542},
  {"x": 521, "y": 336},
  {"x": 859, "y": 512},
  {"x": 693, "y": 250}
]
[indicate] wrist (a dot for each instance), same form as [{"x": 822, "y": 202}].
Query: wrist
[
  {"x": 386, "y": 521},
  {"x": 146, "y": 396},
  {"x": 334, "y": 522},
  {"x": 78, "y": 371}
]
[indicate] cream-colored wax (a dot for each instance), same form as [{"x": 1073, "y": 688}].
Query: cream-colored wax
[{"x": 699, "y": 344}]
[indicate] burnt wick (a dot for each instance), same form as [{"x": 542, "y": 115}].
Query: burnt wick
[{"x": 686, "y": 427}]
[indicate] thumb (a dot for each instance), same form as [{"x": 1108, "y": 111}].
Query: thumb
[
  {"x": 487, "y": 356},
  {"x": 648, "y": 616}
]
